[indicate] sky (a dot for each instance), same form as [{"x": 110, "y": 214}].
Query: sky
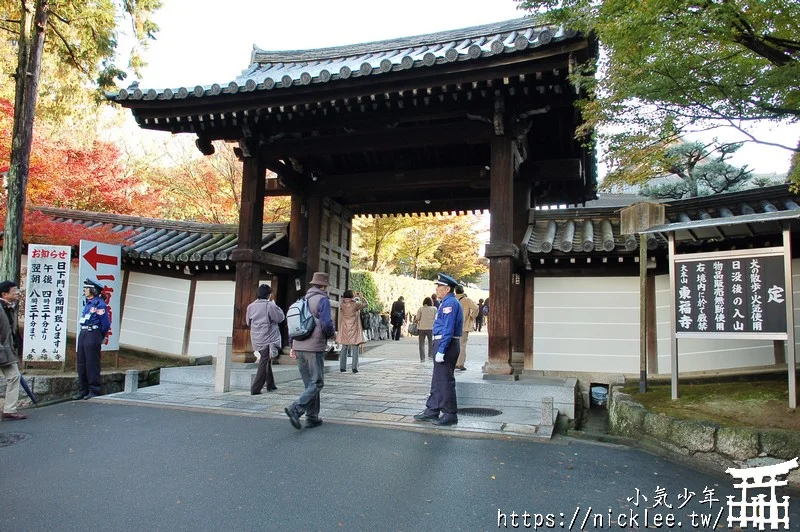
[{"x": 200, "y": 43}]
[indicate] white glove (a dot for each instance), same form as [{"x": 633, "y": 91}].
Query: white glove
[
  {"x": 258, "y": 355},
  {"x": 439, "y": 357}
]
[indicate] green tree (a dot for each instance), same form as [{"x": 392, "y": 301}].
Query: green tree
[
  {"x": 457, "y": 253},
  {"x": 376, "y": 241},
  {"x": 416, "y": 250},
  {"x": 79, "y": 34},
  {"x": 672, "y": 65},
  {"x": 695, "y": 169}
]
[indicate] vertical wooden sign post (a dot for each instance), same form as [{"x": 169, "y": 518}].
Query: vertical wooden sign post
[{"x": 635, "y": 219}]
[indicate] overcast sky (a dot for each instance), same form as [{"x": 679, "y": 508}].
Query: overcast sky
[{"x": 204, "y": 42}]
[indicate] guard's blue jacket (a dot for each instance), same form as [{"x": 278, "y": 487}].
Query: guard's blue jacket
[
  {"x": 95, "y": 315},
  {"x": 449, "y": 321}
]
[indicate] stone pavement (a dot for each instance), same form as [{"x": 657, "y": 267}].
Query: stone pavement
[{"x": 390, "y": 387}]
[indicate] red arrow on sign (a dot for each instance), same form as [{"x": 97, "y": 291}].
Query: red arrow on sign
[{"x": 94, "y": 258}]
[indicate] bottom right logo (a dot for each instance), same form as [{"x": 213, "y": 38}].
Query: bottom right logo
[{"x": 759, "y": 506}]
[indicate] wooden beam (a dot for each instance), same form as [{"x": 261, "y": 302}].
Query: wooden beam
[
  {"x": 462, "y": 176},
  {"x": 380, "y": 140},
  {"x": 551, "y": 170},
  {"x": 272, "y": 262}
]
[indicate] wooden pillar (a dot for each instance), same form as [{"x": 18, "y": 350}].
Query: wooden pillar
[
  {"x": 248, "y": 270},
  {"x": 522, "y": 204},
  {"x": 500, "y": 252},
  {"x": 314, "y": 237},
  {"x": 298, "y": 250},
  {"x": 528, "y": 325}
]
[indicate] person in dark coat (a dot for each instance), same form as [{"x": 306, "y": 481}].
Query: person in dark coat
[
  {"x": 9, "y": 338},
  {"x": 94, "y": 326},
  {"x": 398, "y": 315},
  {"x": 442, "y": 407}
]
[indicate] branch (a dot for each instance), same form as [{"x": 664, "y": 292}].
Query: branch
[{"x": 70, "y": 51}]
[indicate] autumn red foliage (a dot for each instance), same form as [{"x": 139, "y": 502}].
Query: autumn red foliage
[{"x": 69, "y": 177}]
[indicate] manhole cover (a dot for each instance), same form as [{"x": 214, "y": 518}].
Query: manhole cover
[
  {"x": 479, "y": 412},
  {"x": 10, "y": 438}
]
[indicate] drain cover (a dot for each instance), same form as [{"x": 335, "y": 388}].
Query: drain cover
[
  {"x": 478, "y": 412},
  {"x": 10, "y": 438}
]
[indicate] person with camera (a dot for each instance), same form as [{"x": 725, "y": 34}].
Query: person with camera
[{"x": 350, "y": 333}]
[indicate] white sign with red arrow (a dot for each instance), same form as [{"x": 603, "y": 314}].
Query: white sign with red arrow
[{"x": 102, "y": 263}]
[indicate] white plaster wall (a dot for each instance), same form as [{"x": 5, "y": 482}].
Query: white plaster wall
[
  {"x": 155, "y": 313},
  {"x": 212, "y": 317},
  {"x": 586, "y": 324},
  {"x": 695, "y": 354}
]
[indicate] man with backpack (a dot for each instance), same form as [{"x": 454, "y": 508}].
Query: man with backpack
[{"x": 309, "y": 349}]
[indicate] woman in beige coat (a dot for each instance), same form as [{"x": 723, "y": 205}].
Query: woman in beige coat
[
  {"x": 424, "y": 320},
  {"x": 350, "y": 334}
]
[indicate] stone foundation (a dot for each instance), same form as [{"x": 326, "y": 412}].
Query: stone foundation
[
  {"x": 706, "y": 442},
  {"x": 52, "y": 388}
]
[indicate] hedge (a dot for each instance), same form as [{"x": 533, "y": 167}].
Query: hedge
[{"x": 381, "y": 290}]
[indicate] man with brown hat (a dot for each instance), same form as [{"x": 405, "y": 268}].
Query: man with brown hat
[{"x": 310, "y": 354}]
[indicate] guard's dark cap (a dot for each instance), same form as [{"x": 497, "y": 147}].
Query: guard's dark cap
[
  {"x": 445, "y": 280},
  {"x": 89, "y": 283}
]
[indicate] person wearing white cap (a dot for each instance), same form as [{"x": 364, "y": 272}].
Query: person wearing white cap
[{"x": 442, "y": 406}]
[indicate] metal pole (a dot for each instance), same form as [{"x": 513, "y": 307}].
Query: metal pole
[
  {"x": 673, "y": 343},
  {"x": 642, "y": 313},
  {"x": 791, "y": 358}
]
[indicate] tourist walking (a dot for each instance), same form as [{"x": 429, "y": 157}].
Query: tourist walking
[
  {"x": 94, "y": 325},
  {"x": 479, "y": 317},
  {"x": 446, "y": 332},
  {"x": 424, "y": 320},
  {"x": 310, "y": 354},
  {"x": 350, "y": 333},
  {"x": 9, "y": 350},
  {"x": 263, "y": 317},
  {"x": 470, "y": 311},
  {"x": 397, "y": 317}
]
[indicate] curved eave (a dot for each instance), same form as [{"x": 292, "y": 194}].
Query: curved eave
[{"x": 279, "y": 71}]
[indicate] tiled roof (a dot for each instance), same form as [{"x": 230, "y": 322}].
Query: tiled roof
[
  {"x": 281, "y": 70},
  {"x": 170, "y": 241},
  {"x": 723, "y": 216}
]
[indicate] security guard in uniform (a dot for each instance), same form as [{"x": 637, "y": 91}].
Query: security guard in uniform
[
  {"x": 94, "y": 324},
  {"x": 446, "y": 335}
]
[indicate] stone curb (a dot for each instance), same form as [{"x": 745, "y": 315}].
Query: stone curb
[
  {"x": 703, "y": 444},
  {"x": 51, "y": 389}
]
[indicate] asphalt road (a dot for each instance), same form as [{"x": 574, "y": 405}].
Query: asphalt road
[{"x": 94, "y": 466}]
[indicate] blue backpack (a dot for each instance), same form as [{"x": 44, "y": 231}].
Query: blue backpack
[{"x": 300, "y": 322}]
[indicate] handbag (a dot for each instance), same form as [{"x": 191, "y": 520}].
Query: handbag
[{"x": 413, "y": 329}]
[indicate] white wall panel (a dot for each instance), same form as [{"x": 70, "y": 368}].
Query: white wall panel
[
  {"x": 586, "y": 324},
  {"x": 212, "y": 317},
  {"x": 155, "y": 313}
]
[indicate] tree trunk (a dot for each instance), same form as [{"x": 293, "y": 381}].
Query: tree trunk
[{"x": 31, "y": 45}]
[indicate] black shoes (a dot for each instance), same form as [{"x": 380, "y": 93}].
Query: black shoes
[
  {"x": 342, "y": 370},
  {"x": 293, "y": 417},
  {"x": 442, "y": 421},
  {"x": 78, "y": 396},
  {"x": 313, "y": 422},
  {"x": 355, "y": 371},
  {"x": 422, "y": 416},
  {"x": 92, "y": 394},
  {"x": 272, "y": 388},
  {"x": 13, "y": 416}
]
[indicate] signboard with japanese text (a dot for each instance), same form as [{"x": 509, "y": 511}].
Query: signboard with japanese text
[
  {"x": 47, "y": 292},
  {"x": 102, "y": 263},
  {"x": 724, "y": 295}
]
